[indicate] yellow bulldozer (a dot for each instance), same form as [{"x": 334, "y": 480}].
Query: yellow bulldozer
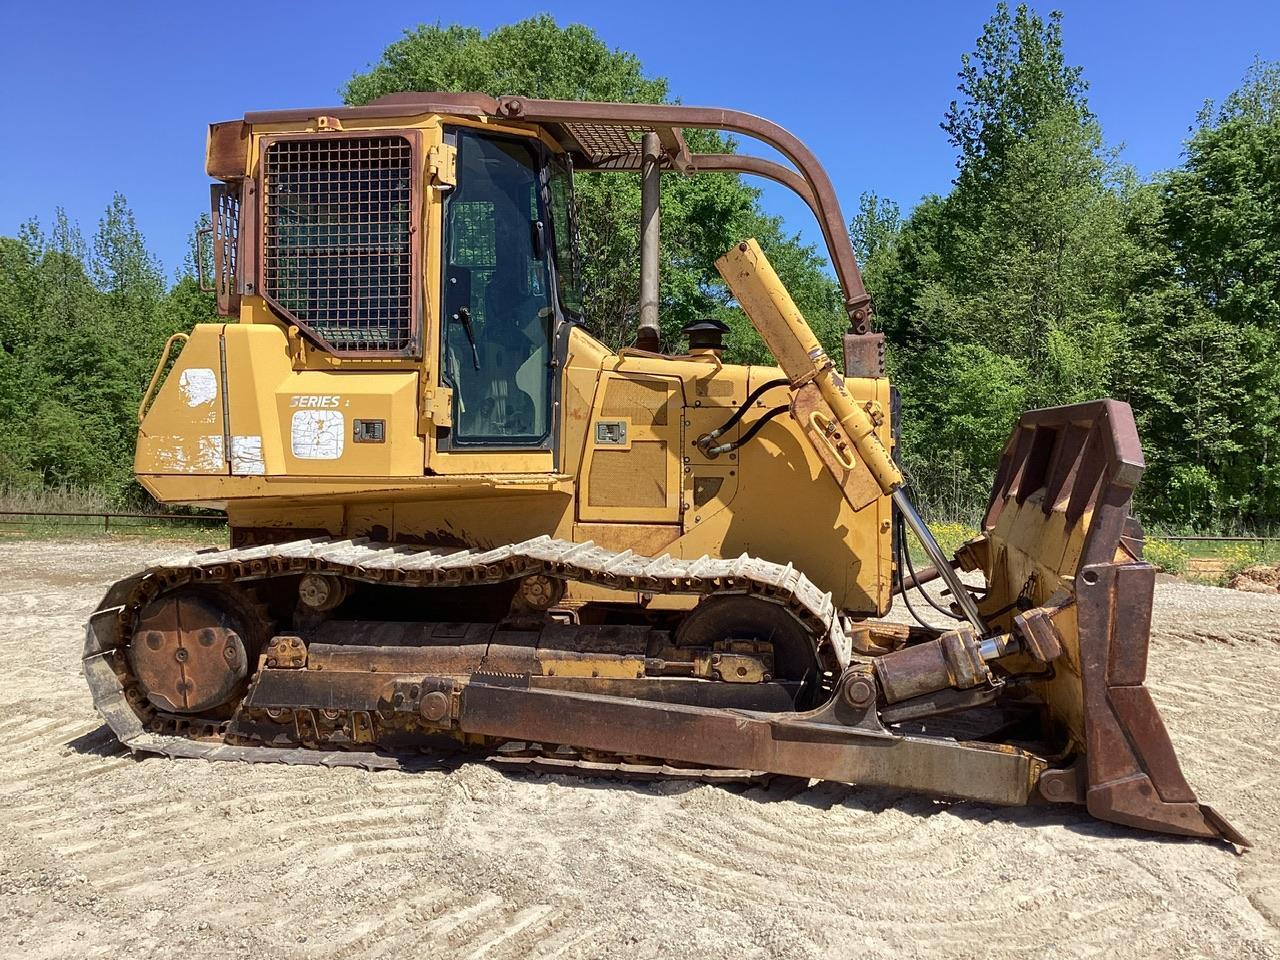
[{"x": 462, "y": 526}]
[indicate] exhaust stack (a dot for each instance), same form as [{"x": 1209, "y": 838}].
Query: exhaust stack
[{"x": 647, "y": 337}]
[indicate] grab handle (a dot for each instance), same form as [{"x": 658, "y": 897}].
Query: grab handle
[{"x": 155, "y": 377}]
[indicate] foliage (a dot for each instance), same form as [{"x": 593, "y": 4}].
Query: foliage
[
  {"x": 1016, "y": 79},
  {"x": 1008, "y": 292},
  {"x": 1207, "y": 312},
  {"x": 1166, "y": 555},
  {"x": 80, "y": 326},
  {"x": 1237, "y": 557},
  {"x": 951, "y": 536},
  {"x": 702, "y": 216},
  {"x": 1047, "y": 274}
]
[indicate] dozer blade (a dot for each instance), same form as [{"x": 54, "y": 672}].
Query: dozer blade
[{"x": 1062, "y": 558}]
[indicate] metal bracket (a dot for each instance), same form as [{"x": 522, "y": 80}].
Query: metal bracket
[
  {"x": 442, "y": 165},
  {"x": 437, "y": 405}
]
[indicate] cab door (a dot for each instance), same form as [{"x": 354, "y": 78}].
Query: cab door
[{"x": 497, "y": 341}]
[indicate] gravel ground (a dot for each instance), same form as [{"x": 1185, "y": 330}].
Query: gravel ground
[{"x": 104, "y": 855}]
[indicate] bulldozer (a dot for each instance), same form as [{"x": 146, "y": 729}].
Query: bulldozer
[{"x": 463, "y": 527}]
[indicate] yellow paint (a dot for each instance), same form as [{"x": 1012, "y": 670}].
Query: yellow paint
[
  {"x": 778, "y": 497},
  {"x": 184, "y": 429},
  {"x": 775, "y": 315}
]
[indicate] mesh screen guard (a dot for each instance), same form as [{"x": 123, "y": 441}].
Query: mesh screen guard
[
  {"x": 337, "y": 240},
  {"x": 225, "y": 212}
]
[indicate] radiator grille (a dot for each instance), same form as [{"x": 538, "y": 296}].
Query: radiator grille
[{"x": 336, "y": 239}]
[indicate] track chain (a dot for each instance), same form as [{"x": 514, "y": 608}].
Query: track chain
[{"x": 369, "y": 561}]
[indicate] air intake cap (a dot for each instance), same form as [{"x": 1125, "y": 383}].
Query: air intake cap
[{"x": 706, "y": 334}]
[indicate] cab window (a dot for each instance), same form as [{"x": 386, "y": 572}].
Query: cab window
[{"x": 498, "y": 319}]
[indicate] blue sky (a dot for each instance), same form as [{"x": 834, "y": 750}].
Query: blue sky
[{"x": 102, "y": 97}]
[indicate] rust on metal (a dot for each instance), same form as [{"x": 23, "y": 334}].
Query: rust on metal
[
  {"x": 224, "y": 203},
  {"x": 1071, "y": 472},
  {"x": 835, "y": 742},
  {"x": 1133, "y": 773},
  {"x": 374, "y": 652},
  {"x": 186, "y": 654},
  {"x": 228, "y": 155},
  {"x": 350, "y": 696}
]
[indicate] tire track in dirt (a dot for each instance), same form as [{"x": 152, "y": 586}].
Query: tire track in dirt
[{"x": 104, "y": 855}]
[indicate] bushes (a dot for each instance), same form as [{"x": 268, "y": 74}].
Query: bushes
[
  {"x": 1169, "y": 557},
  {"x": 1239, "y": 557},
  {"x": 951, "y": 535}
]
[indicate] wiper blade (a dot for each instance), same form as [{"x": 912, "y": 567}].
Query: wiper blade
[{"x": 463, "y": 316}]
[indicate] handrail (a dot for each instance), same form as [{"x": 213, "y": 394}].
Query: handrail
[
  {"x": 710, "y": 357},
  {"x": 155, "y": 377}
]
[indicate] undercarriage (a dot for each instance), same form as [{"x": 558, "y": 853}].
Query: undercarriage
[{"x": 255, "y": 654}]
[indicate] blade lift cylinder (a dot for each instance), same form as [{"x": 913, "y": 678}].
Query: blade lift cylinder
[{"x": 772, "y": 311}]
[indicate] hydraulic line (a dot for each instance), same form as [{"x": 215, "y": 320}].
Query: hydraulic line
[
  {"x": 704, "y": 442},
  {"x": 964, "y": 599},
  {"x": 746, "y": 437},
  {"x": 906, "y": 553},
  {"x": 906, "y": 598},
  {"x": 852, "y": 426}
]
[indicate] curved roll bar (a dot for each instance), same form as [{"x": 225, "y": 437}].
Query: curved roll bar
[
  {"x": 671, "y": 118},
  {"x": 604, "y": 137}
]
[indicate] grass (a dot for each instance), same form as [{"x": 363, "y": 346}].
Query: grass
[
  {"x": 1263, "y": 552},
  {"x": 59, "y": 529},
  {"x": 204, "y": 527},
  {"x": 1204, "y": 561},
  {"x": 1210, "y": 562}
]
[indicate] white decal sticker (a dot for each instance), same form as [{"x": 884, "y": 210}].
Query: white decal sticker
[
  {"x": 210, "y": 456},
  {"x": 198, "y": 386},
  {"x": 178, "y": 457},
  {"x": 246, "y": 456},
  {"x": 317, "y": 434}
]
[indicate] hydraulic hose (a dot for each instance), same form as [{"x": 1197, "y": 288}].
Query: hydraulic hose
[
  {"x": 964, "y": 599},
  {"x": 905, "y": 553},
  {"x": 704, "y": 442},
  {"x": 714, "y": 452},
  {"x": 774, "y": 314}
]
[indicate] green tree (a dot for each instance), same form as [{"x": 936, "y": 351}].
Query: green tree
[
  {"x": 78, "y": 334},
  {"x": 133, "y": 288},
  {"x": 703, "y": 216},
  {"x": 1208, "y": 316},
  {"x": 1012, "y": 288},
  {"x": 1015, "y": 79}
]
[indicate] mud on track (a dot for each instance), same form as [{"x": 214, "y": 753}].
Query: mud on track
[{"x": 104, "y": 855}]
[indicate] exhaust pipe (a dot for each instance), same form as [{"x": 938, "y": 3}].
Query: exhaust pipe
[{"x": 647, "y": 337}]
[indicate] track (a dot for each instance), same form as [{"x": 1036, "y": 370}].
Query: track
[
  {"x": 143, "y": 730},
  {"x": 105, "y": 855}
]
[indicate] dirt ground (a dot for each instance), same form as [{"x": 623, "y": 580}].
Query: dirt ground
[{"x": 104, "y": 855}]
